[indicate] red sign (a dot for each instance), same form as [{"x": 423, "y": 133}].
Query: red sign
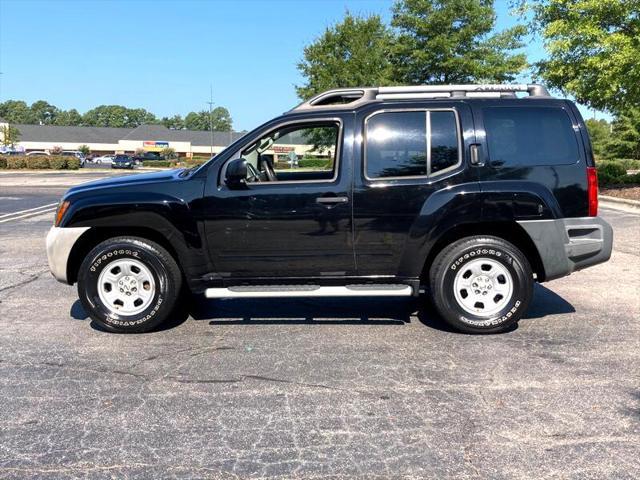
[{"x": 281, "y": 149}]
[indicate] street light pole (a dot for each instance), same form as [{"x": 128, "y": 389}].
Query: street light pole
[{"x": 210, "y": 102}]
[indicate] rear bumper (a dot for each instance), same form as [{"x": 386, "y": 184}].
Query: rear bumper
[
  {"x": 60, "y": 241},
  {"x": 569, "y": 244}
]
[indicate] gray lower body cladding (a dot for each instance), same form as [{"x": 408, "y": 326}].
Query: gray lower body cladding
[{"x": 566, "y": 245}]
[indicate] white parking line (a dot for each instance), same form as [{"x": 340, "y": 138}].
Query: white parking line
[
  {"x": 28, "y": 210},
  {"x": 32, "y": 214}
]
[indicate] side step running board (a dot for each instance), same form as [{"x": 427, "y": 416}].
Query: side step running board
[{"x": 310, "y": 291}]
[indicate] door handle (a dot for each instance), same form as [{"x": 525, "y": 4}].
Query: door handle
[
  {"x": 331, "y": 200},
  {"x": 477, "y": 159}
]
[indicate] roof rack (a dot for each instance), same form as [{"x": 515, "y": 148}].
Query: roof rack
[{"x": 353, "y": 97}]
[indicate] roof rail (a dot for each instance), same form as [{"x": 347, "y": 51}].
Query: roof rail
[{"x": 353, "y": 97}]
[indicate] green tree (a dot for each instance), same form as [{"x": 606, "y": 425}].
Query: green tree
[
  {"x": 16, "y": 111},
  {"x": 453, "y": 41},
  {"x": 220, "y": 117},
  {"x": 352, "y": 53},
  {"x": 117, "y": 116},
  {"x": 10, "y": 135},
  {"x": 68, "y": 118},
  {"x": 625, "y": 135},
  {"x": 175, "y": 123},
  {"x": 43, "y": 113},
  {"x": 600, "y": 133},
  {"x": 84, "y": 149},
  {"x": 593, "y": 50}
]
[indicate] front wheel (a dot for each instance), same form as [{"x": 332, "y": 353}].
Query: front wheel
[
  {"x": 129, "y": 284},
  {"x": 481, "y": 284}
]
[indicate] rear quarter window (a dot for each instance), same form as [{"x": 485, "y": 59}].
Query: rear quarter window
[{"x": 528, "y": 136}]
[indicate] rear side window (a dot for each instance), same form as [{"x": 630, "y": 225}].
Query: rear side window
[
  {"x": 444, "y": 140},
  {"x": 528, "y": 136},
  {"x": 410, "y": 143}
]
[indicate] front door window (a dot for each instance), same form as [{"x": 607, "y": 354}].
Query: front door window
[{"x": 294, "y": 153}]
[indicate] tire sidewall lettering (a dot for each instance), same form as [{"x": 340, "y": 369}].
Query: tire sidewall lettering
[
  {"x": 504, "y": 258},
  {"x": 105, "y": 258}
]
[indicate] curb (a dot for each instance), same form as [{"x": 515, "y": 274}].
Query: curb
[
  {"x": 621, "y": 201},
  {"x": 619, "y": 204}
]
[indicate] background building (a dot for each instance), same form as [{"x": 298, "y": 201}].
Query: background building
[{"x": 104, "y": 140}]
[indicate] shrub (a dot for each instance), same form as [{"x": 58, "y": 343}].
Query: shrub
[
  {"x": 195, "y": 162},
  {"x": 3, "y": 162},
  {"x": 168, "y": 152},
  {"x": 16, "y": 162},
  {"x": 282, "y": 166},
  {"x": 628, "y": 163},
  {"x": 58, "y": 163},
  {"x": 57, "y": 150},
  {"x": 73, "y": 163},
  {"x": 159, "y": 163},
  {"x": 314, "y": 162},
  {"x": 631, "y": 179},
  {"x": 612, "y": 169},
  {"x": 37, "y": 162},
  {"x": 84, "y": 149}
]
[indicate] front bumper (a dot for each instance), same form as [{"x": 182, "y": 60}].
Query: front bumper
[
  {"x": 566, "y": 245},
  {"x": 60, "y": 242}
]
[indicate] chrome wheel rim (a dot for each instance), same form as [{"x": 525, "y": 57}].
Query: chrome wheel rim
[
  {"x": 126, "y": 287},
  {"x": 483, "y": 287}
]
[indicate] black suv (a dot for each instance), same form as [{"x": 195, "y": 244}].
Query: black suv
[
  {"x": 468, "y": 191},
  {"x": 122, "y": 161}
]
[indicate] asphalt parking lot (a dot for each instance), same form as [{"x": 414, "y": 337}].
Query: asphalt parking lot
[{"x": 366, "y": 388}]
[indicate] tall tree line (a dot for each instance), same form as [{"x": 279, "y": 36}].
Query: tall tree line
[
  {"x": 44, "y": 113},
  {"x": 592, "y": 53}
]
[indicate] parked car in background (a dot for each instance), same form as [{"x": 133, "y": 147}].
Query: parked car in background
[
  {"x": 139, "y": 159},
  {"x": 75, "y": 153},
  {"x": 37, "y": 153},
  {"x": 104, "y": 160},
  {"x": 122, "y": 161}
]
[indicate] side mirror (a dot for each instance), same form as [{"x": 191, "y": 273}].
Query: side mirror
[{"x": 236, "y": 176}]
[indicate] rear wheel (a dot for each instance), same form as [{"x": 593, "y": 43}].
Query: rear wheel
[
  {"x": 129, "y": 284},
  {"x": 481, "y": 284}
]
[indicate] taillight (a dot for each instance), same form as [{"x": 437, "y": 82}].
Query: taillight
[{"x": 592, "y": 191}]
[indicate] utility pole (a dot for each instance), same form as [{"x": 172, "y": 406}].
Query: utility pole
[{"x": 210, "y": 102}]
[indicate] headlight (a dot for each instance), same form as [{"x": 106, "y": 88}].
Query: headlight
[{"x": 62, "y": 209}]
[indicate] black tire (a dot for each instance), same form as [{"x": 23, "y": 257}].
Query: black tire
[
  {"x": 451, "y": 262},
  {"x": 163, "y": 268}
]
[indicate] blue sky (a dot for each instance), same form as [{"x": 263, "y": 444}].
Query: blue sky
[{"x": 163, "y": 55}]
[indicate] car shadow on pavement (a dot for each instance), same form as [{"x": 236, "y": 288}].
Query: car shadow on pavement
[
  {"x": 295, "y": 311},
  {"x": 328, "y": 311},
  {"x": 547, "y": 302}
]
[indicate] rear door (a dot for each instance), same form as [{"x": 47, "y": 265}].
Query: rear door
[{"x": 407, "y": 153}]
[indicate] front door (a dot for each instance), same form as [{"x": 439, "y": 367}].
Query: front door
[{"x": 292, "y": 218}]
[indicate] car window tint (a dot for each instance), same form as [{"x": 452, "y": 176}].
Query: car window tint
[
  {"x": 525, "y": 136},
  {"x": 396, "y": 144},
  {"x": 444, "y": 140}
]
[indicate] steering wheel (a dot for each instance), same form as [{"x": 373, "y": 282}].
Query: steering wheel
[
  {"x": 268, "y": 169},
  {"x": 254, "y": 175}
]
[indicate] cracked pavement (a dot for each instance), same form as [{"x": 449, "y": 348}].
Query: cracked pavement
[{"x": 306, "y": 388}]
